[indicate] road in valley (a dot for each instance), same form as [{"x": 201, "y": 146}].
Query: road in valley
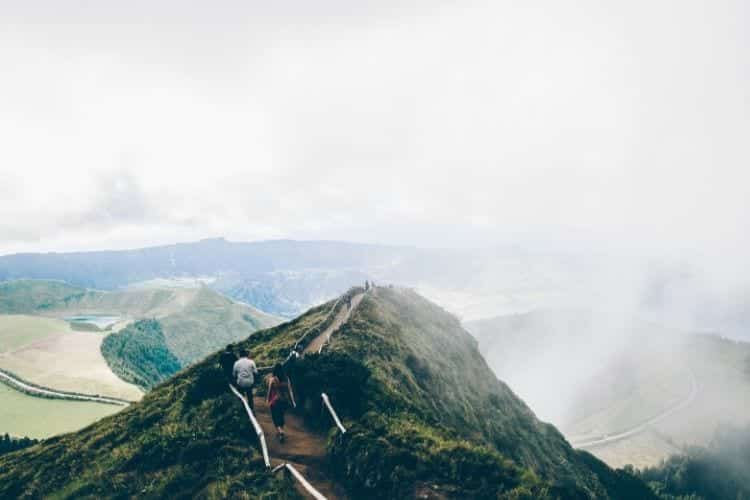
[
  {"x": 606, "y": 439},
  {"x": 31, "y": 389}
]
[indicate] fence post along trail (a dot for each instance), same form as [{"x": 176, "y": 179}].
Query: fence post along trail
[
  {"x": 301, "y": 479},
  {"x": 298, "y": 352},
  {"x": 327, "y": 403},
  {"x": 256, "y": 426}
]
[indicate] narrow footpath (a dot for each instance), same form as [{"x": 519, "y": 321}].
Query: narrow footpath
[
  {"x": 342, "y": 317},
  {"x": 304, "y": 448}
]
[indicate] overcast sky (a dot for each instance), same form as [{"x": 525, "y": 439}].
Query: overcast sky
[{"x": 135, "y": 123}]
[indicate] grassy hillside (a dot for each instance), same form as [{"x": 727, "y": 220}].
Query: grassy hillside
[
  {"x": 34, "y": 296},
  {"x": 195, "y": 321},
  {"x": 24, "y": 415},
  {"x": 208, "y": 321},
  {"x": 139, "y": 354},
  {"x": 425, "y": 417}
]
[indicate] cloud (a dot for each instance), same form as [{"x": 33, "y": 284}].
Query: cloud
[{"x": 566, "y": 126}]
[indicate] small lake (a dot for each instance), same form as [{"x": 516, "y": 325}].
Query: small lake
[{"x": 100, "y": 321}]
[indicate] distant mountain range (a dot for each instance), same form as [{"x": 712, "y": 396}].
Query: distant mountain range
[
  {"x": 280, "y": 277},
  {"x": 285, "y": 277}
]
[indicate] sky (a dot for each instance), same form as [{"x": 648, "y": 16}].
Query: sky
[{"x": 565, "y": 124}]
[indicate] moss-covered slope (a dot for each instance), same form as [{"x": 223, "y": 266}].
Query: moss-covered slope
[{"x": 425, "y": 418}]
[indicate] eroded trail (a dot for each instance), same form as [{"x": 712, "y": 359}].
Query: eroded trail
[
  {"x": 303, "y": 448},
  {"x": 342, "y": 317}
]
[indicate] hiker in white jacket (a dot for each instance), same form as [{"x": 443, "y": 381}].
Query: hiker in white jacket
[{"x": 244, "y": 373}]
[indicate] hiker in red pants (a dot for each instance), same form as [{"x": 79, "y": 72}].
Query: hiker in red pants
[{"x": 279, "y": 399}]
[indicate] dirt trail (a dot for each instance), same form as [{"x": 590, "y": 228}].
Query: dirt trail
[
  {"x": 342, "y": 317},
  {"x": 303, "y": 448}
]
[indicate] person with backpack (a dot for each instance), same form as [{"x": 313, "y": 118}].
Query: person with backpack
[
  {"x": 244, "y": 372},
  {"x": 227, "y": 359},
  {"x": 278, "y": 398}
]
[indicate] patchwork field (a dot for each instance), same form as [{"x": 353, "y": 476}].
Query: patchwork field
[
  {"x": 47, "y": 352},
  {"x": 22, "y": 415}
]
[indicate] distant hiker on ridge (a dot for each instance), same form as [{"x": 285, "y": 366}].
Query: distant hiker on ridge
[
  {"x": 244, "y": 372},
  {"x": 226, "y": 360},
  {"x": 279, "y": 399}
]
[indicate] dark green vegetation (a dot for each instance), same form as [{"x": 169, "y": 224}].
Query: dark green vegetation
[
  {"x": 8, "y": 444},
  {"x": 139, "y": 354},
  {"x": 424, "y": 415},
  {"x": 718, "y": 472}
]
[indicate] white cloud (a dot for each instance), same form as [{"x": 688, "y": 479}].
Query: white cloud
[{"x": 618, "y": 124}]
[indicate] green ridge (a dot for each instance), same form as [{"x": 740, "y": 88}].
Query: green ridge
[{"x": 425, "y": 416}]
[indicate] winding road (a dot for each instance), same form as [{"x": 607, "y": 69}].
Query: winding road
[
  {"x": 31, "y": 389},
  {"x": 599, "y": 441}
]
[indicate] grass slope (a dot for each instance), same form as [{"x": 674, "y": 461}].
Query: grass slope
[
  {"x": 34, "y": 296},
  {"x": 17, "y": 330},
  {"x": 209, "y": 321},
  {"x": 23, "y": 415},
  {"x": 425, "y": 417}
]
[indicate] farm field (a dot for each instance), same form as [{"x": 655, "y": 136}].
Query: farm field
[
  {"x": 22, "y": 415},
  {"x": 55, "y": 356},
  {"x": 17, "y": 330}
]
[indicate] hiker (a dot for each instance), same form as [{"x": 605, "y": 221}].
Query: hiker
[
  {"x": 226, "y": 360},
  {"x": 279, "y": 399},
  {"x": 244, "y": 372}
]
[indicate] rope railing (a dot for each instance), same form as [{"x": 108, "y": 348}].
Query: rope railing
[
  {"x": 299, "y": 477},
  {"x": 327, "y": 402},
  {"x": 256, "y": 426}
]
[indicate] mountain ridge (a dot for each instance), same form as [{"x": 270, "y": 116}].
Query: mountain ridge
[{"x": 396, "y": 372}]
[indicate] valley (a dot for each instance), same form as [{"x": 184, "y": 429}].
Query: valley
[
  {"x": 657, "y": 392},
  {"x": 60, "y": 358},
  {"x": 52, "y": 336},
  {"x": 35, "y": 417}
]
